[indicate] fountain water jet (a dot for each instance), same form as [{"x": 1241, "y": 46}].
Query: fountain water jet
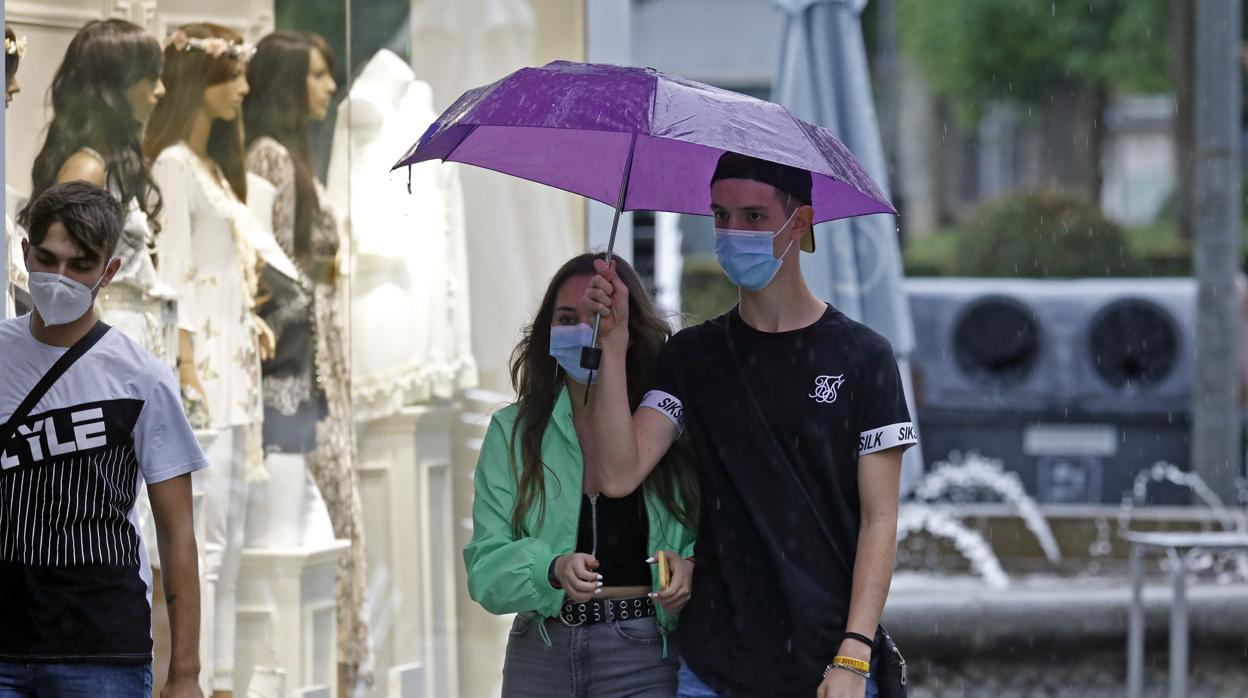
[{"x": 974, "y": 471}]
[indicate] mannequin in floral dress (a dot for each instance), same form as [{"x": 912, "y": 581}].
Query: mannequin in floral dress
[{"x": 292, "y": 86}]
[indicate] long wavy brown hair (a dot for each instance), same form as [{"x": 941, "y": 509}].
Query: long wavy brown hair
[
  {"x": 537, "y": 379},
  {"x": 89, "y": 109},
  {"x": 186, "y": 75}
]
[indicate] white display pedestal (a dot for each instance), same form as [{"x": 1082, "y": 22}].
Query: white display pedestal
[
  {"x": 406, "y": 491},
  {"x": 482, "y": 635},
  {"x": 287, "y": 622}
]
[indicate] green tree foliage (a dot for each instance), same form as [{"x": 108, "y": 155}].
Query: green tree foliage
[
  {"x": 1042, "y": 235},
  {"x": 705, "y": 292},
  {"x": 977, "y": 51}
]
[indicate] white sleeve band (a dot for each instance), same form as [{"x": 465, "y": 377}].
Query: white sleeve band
[
  {"x": 669, "y": 405},
  {"x": 884, "y": 438}
]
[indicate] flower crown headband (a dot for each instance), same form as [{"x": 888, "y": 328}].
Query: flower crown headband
[
  {"x": 213, "y": 46},
  {"x": 15, "y": 47}
]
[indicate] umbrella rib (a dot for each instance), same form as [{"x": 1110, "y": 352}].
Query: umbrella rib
[
  {"x": 447, "y": 157},
  {"x": 619, "y": 205}
]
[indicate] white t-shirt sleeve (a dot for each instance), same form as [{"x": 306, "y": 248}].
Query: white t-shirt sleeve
[{"x": 163, "y": 439}]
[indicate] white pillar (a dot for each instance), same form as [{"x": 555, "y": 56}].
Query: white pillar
[{"x": 668, "y": 262}]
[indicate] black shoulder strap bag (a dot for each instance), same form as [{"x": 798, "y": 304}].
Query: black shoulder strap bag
[
  {"x": 890, "y": 666},
  {"x": 82, "y": 346}
]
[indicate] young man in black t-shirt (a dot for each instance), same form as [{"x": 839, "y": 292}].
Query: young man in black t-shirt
[{"x": 799, "y": 422}]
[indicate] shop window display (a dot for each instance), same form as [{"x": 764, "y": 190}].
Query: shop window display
[{"x": 303, "y": 294}]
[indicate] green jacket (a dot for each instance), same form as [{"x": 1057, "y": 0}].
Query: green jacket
[{"x": 508, "y": 574}]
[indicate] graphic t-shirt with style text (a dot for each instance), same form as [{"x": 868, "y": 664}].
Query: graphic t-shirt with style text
[{"x": 75, "y": 582}]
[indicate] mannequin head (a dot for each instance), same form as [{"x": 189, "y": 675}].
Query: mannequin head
[
  {"x": 292, "y": 83},
  {"x": 205, "y": 77},
  {"x": 102, "y": 94},
  {"x": 13, "y": 51}
]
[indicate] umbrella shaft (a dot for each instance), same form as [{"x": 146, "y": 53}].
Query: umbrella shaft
[{"x": 615, "y": 222}]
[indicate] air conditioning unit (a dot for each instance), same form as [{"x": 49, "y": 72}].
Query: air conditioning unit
[{"x": 1077, "y": 385}]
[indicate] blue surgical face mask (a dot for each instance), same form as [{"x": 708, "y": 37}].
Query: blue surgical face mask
[
  {"x": 746, "y": 255},
  {"x": 566, "y": 342}
]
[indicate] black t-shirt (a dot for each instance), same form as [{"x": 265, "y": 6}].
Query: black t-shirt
[{"x": 780, "y": 513}]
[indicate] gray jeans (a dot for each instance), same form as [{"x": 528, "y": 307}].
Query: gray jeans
[{"x": 613, "y": 659}]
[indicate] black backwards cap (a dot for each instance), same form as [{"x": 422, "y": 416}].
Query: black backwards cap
[{"x": 787, "y": 179}]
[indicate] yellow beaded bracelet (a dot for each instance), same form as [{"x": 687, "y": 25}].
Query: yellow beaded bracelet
[{"x": 851, "y": 663}]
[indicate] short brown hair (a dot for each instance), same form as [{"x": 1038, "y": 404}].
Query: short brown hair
[{"x": 91, "y": 216}]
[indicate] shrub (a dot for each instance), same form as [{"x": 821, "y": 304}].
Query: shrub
[
  {"x": 1042, "y": 234},
  {"x": 704, "y": 290}
]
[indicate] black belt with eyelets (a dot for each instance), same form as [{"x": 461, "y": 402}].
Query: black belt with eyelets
[{"x": 575, "y": 613}]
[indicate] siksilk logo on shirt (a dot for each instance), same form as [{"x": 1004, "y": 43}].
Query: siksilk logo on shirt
[
  {"x": 826, "y": 387},
  {"x": 887, "y": 437}
]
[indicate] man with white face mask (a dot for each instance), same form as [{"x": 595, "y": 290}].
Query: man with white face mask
[
  {"x": 75, "y": 584},
  {"x": 799, "y": 422}
]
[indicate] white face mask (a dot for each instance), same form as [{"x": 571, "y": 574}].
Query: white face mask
[{"x": 59, "y": 299}]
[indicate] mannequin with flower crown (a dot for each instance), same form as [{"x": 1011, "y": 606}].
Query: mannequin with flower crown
[{"x": 207, "y": 253}]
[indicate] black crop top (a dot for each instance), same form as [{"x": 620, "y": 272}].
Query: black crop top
[{"x": 616, "y": 532}]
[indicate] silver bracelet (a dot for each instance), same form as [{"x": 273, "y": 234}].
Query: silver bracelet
[{"x": 828, "y": 669}]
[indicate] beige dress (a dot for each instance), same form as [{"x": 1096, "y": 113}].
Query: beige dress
[{"x": 332, "y": 464}]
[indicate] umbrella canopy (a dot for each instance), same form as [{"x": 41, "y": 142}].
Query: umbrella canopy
[{"x": 637, "y": 139}]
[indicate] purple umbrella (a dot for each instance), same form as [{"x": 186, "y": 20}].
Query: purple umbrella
[{"x": 637, "y": 139}]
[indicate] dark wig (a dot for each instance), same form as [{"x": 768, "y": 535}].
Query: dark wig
[
  {"x": 90, "y": 110},
  {"x": 277, "y": 107}
]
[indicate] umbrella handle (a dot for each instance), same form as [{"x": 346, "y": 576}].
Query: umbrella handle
[{"x": 591, "y": 356}]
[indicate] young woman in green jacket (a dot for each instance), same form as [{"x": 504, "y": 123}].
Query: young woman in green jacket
[{"x": 577, "y": 567}]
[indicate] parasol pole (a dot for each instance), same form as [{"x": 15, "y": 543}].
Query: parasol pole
[{"x": 591, "y": 356}]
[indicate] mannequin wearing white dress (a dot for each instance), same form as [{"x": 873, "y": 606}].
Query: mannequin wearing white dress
[
  {"x": 520, "y": 231},
  {"x": 207, "y": 255},
  {"x": 410, "y": 271}
]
